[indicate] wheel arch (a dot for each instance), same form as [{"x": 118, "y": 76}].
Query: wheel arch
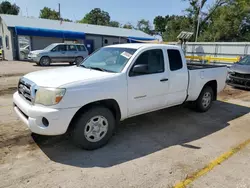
[
  {"x": 214, "y": 85},
  {"x": 43, "y": 56},
  {"x": 111, "y": 104}
]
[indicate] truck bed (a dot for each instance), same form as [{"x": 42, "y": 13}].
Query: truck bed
[{"x": 193, "y": 66}]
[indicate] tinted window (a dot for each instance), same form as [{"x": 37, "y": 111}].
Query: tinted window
[
  {"x": 81, "y": 48},
  {"x": 154, "y": 59},
  {"x": 175, "y": 61},
  {"x": 59, "y": 48},
  {"x": 7, "y": 41},
  {"x": 72, "y": 48}
]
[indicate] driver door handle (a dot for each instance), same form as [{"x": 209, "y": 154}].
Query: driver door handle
[{"x": 164, "y": 80}]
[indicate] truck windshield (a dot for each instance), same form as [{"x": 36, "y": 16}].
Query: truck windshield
[
  {"x": 50, "y": 47},
  {"x": 109, "y": 59},
  {"x": 245, "y": 61}
]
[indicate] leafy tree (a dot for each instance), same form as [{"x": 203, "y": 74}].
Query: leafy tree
[
  {"x": 198, "y": 7},
  {"x": 96, "y": 17},
  {"x": 66, "y": 20},
  {"x": 114, "y": 24},
  {"x": 229, "y": 23},
  {"x": 7, "y": 8},
  {"x": 160, "y": 24},
  {"x": 49, "y": 13},
  {"x": 128, "y": 26},
  {"x": 174, "y": 25},
  {"x": 144, "y": 25}
]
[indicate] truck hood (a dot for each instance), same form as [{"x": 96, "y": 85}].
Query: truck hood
[
  {"x": 67, "y": 75},
  {"x": 243, "y": 69}
]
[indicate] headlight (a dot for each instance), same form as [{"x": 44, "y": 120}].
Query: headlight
[
  {"x": 49, "y": 96},
  {"x": 36, "y": 55}
]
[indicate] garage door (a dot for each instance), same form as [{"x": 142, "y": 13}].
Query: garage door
[{"x": 39, "y": 43}]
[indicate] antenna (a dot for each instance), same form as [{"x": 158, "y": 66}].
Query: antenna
[
  {"x": 59, "y": 10},
  {"x": 27, "y": 12}
]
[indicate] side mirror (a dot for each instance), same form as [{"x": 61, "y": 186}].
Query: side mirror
[{"x": 140, "y": 69}]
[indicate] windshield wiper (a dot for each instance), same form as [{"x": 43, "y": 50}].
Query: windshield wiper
[{"x": 96, "y": 68}]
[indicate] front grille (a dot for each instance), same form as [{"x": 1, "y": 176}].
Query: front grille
[
  {"x": 26, "y": 89},
  {"x": 239, "y": 75}
]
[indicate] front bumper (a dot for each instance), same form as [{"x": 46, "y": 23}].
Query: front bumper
[
  {"x": 31, "y": 115},
  {"x": 238, "y": 82},
  {"x": 33, "y": 58}
]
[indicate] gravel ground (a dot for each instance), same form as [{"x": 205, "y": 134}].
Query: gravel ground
[{"x": 158, "y": 149}]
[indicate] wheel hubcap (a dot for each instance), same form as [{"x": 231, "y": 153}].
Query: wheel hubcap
[
  {"x": 96, "y": 128},
  {"x": 206, "y": 100},
  {"x": 46, "y": 61}
]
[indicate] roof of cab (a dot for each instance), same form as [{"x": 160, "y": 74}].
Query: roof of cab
[{"x": 140, "y": 45}]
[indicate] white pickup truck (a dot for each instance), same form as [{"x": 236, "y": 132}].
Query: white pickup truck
[{"x": 113, "y": 84}]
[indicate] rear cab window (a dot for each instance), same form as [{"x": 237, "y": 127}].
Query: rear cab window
[{"x": 175, "y": 60}]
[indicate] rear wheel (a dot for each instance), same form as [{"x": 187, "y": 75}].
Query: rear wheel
[
  {"x": 78, "y": 60},
  {"x": 45, "y": 61},
  {"x": 204, "y": 102},
  {"x": 94, "y": 128}
]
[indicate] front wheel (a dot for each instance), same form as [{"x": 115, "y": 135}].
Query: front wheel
[
  {"x": 204, "y": 102},
  {"x": 45, "y": 61},
  {"x": 79, "y": 60},
  {"x": 94, "y": 128}
]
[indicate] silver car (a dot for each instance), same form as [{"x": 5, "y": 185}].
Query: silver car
[
  {"x": 59, "y": 52},
  {"x": 239, "y": 74}
]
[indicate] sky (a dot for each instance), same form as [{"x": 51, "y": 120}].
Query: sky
[{"x": 119, "y": 10}]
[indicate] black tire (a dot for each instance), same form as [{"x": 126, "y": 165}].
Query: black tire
[
  {"x": 78, "y": 60},
  {"x": 81, "y": 126},
  {"x": 45, "y": 61},
  {"x": 203, "y": 103}
]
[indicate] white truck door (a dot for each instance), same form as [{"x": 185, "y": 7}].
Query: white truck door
[
  {"x": 178, "y": 77},
  {"x": 147, "y": 90}
]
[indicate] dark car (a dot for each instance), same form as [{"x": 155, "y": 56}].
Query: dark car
[{"x": 239, "y": 74}]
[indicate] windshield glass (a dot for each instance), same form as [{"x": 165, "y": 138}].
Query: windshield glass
[
  {"x": 245, "y": 61},
  {"x": 109, "y": 59},
  {"x": 50, "y": 47}
]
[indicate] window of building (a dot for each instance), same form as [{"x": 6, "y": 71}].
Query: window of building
[
  {"x": 7, "y": 41},
  {"x": 175, "y": 61},
  {"x": 153, "y": 58},
  {"x": 81, "y": 48},
  {"x": 1, "y": 42}
]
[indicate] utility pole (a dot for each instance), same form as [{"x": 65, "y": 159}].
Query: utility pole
[
  {"x": 198, "y": 24},
  {"x": 59, "y": 10}
]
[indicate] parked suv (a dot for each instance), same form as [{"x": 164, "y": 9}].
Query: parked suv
[{"x": 59, "y": 52}]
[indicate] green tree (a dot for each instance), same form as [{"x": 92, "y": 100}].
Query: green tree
[
  {"x": 128, "y": 26},
  {"x": 198, "y": 7},
  {"x": 160, "y": 24},
  {"x": 7, "y": 8},
  {"x": 144, "y": 25},
  {"x": 96, "y": 17},
  {"x": 66, "y": 20},
  {"x": 228, "y": 23},
  {"x": 114, "y": 24},
  {"x": 174, "y": 25},
  {"x": 49, "y": 13}
]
